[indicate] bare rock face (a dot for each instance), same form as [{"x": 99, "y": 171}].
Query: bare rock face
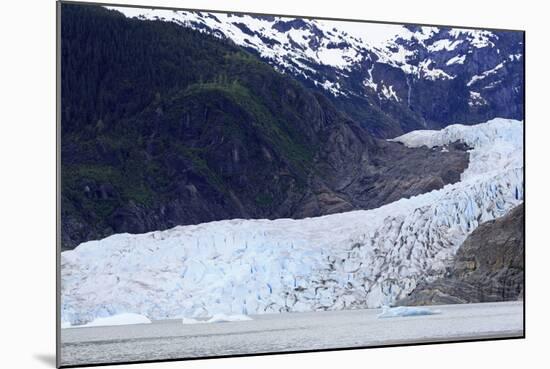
[{"x": 488, "y": 267}]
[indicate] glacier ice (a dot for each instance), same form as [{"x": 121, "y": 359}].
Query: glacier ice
[{"x": 358, "y": 259}]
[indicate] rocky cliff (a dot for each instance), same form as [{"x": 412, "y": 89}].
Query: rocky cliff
[{"x": 489, "y": 266}]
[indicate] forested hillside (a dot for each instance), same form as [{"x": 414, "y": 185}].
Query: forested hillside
[{"x": 163, "y": 126}]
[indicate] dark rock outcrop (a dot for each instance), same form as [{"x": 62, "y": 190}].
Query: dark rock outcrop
[{"x": 488, "y": 267}]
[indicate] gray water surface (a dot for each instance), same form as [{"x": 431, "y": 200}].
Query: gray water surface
[{"x": 170, "y": 339}]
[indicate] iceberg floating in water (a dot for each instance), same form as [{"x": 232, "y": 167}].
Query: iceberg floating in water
[{"x": 402, "y": 311}]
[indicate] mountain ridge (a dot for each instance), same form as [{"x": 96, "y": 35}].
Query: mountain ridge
[{"x": 383, "y": 82}]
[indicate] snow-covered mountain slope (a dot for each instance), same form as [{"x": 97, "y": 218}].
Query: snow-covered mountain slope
[
  {"x": 296, "y": 43},
  {"x": 383, "y": 63},
  {"x": 357, "y": 259},
  {"x": 290, "y": 43}
]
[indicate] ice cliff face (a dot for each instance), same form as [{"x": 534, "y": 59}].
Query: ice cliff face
[{"x": 359, "y": 259}]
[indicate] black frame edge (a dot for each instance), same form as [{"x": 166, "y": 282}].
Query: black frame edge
[{"x": 58, "y": 5}]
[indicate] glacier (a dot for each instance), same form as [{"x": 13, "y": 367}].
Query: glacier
[{"x": 357, "y": 259}]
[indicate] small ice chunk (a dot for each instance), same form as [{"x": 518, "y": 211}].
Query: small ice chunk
[
  {"x": 65, "y": 324},
  {"x": 402, "y": 311},
  {"x": 120, "y": 319}
]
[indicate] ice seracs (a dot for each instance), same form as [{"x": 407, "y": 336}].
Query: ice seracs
[{"x": 359, "y": 259}]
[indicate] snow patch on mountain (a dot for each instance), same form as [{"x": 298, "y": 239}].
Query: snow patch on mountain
[
  {"x": 444, "y": 44},
  {"x": 389, "y": 92},
  {"x": 477, "y": 38},
  {"x": 358, "y": 259},
  {"x": 476, "y": 99},
  {"x": 459, "y": 59},
  {"x": 369, "y": 83},
  {"x": 332, "y": 87},
  {"x": 485, "y": 74},
  {"x": 427, "y": 71}
]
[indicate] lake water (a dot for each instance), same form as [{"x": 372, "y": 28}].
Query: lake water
[{"x": 169, "y": 339}]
